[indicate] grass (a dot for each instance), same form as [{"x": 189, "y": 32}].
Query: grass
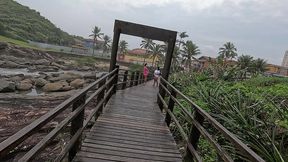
[{"x": 18, "y": 43}]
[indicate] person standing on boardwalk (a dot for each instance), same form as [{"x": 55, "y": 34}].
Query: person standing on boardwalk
[
  {"x": 157, "y": 74},
  {"x": 145, "y": 72}
]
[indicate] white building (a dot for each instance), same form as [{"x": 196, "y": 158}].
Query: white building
[{"x": 285, "y": 60}]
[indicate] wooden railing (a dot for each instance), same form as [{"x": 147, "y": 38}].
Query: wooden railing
[
  {"x": 101, "y": 91},
  {"x": 198, "y": 118}
]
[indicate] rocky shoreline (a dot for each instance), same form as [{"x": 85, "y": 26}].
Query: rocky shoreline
[{"x": 32, "y": 82}]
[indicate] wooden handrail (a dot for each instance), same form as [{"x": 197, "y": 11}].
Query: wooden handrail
[
  {"x": 107, "y": 86},
  {"x": 197, "y": 120}
]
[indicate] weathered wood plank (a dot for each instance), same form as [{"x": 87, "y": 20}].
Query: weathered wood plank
[{"x": 131, "y": 128}]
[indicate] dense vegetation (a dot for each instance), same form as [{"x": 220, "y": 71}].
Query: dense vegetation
[
  {"x": 254, "y": 109},
  {"x": 22, "y": 23}
]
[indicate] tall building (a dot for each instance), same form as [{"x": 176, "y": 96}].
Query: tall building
[{"x": 285, "y": 60}]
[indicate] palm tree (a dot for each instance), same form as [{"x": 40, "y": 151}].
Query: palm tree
[
  {"x": 123, "y": 45},
  {"x": 189, "y": 51},
  {"x": 175, "y": 58},
  {"x": 259, "y": 65},
  {"x": 146, "y": 44},
  {"x": 106, "y": 44},
  {"x": 228, "y": 51},
  {"x": 182, "y": 35},
  {"x": 95, "y": 34},
  {"x": 245, "y": 62},
  {"x": 156, "y": 50}
]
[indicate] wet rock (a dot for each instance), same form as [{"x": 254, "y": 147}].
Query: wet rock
[
  {"x": 66, "y": 76},
  {"x": 56, "y": 87},
  {"x": 77, "y": 83},
  {"x": 10, "y": 64},
  {"x": 40, "y": 82},
  {"x": 3, "y": 45},
  {"x": 101, "y": 74},
  {"x": 24, "y": 86},
  {"x": 85, "y": 68},
  {"x": 1, "y": 63},
  {"x": 44, "y": 68},
  {"x": 42, "y": 62},
  {"x": 57, "y": 65},
  {"x": 91, "y": 75},
  {"x": 16, "y": 78},
  {"x": 7, "y": 86}
]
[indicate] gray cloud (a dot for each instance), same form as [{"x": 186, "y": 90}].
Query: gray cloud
[{"x": 256, "y": 27}]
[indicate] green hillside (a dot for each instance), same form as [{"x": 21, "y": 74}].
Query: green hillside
[{"x": 22, "y": 23}]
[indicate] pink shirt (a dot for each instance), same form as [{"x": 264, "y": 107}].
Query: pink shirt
[{"x": 145, "y": 71}]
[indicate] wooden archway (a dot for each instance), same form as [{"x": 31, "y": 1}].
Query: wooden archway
[{"x": 145, "y": 32}]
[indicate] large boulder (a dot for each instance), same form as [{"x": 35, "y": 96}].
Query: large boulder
[
  {"x": 77, "y": 83},
  {"x": 85, "y": 68},
  {"x": 56, "y": 87},
  {"x": 24, "y": 86},
  {"x": 7, "y": 86},
  {"x": 91, "y": 75},
  {"x": 40, "y": 82},
  {"x": 66, "y": 76}
]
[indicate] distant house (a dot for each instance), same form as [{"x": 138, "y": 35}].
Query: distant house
[
  {"x": 205, "y": 61},
  {"x": 137, "y": 55},
  {"x": 276, "y": 70}
]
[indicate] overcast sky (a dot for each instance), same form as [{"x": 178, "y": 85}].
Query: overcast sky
[{"x": 256, "y": 27}]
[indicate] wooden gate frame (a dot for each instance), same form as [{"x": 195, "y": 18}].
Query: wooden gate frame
[{"x": 123, "y": 27}]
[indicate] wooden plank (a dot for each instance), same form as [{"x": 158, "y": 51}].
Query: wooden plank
[
  {"x": 131, "y": 150},
  {"x": 131, "y": 128},
  {"x": 137, "y": 147},
  {"x": 138, "y": 143},
  {"x": 133, "y": 155},
  {"x": 110, "y": 157},
  {"x": 96, "y": 136}
]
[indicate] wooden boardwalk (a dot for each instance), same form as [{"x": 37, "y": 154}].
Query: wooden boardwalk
[{"x": 132, "y": 128}]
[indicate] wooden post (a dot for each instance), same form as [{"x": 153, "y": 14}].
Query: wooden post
[
  {"x": 132, "y": 79},
  {"x": 166, "y": 69},
  {"x": 125, "y": 80},
  {"x": 76, "y": 124},
  {"x": 100, "y": 97},
  {"x": 115, "y": 81},
  {"x": 114, "y": 50},
  {"x": 170, "y": 107},
  {"x": 194, "y": 136},
  {"x": 136, "y": 78}
]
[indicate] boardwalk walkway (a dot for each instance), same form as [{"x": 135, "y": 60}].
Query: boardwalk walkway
[{"x": 131, "y": 128}]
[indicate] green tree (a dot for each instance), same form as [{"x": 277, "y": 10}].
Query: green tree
[
  {"x": 182, "y": 35},
  {"x": 189, "y": 51},
  {"x": 96, "y": 33},
  {"x": 106, "y": 44},
  {"x": 123, "y": 45},
  {"x": 259, "y": 65},
  {"x": 245, "y": 63},
  {"x": 228, "y": 51},
  {"x": 146, "y": 44},
  {"x": 156, "y": 51},
  {"x": 175, "y": 58}
]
